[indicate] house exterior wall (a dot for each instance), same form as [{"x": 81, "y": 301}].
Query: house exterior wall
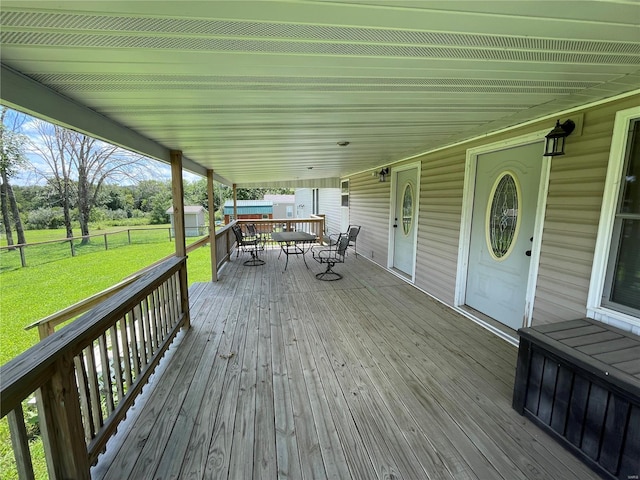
[
  {"x": 369, "y": 208},
  {"x": 329, "y": 206},
  {"x": 304, "y": 202},
  {"x": 280, "y": 210},
  {"x": 574, "y": 201}
]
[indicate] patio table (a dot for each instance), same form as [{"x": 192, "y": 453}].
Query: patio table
[{"x": 293, "y": 243}]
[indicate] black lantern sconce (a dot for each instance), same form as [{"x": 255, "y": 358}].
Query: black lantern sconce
[
  {"x": 555, "y": 138},
  {"x": 382, "y": 174}
]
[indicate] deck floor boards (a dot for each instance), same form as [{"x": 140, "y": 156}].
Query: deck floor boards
[{"x": 282, "y": 376}]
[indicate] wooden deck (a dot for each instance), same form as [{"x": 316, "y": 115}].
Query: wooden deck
[{"x": 284, "y": 376}]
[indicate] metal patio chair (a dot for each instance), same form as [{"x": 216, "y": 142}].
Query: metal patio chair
[
  {"x": 352, "y": 233},
  {"x": 248, "y": 244},
  {"x": 330, "y": 257}
]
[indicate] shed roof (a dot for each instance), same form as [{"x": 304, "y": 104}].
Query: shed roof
[
  {"x": 249, "y": 207},
  {"x": 189, "y": 209}
]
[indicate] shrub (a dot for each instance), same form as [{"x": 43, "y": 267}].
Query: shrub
[{"x": 45, "y": 218}]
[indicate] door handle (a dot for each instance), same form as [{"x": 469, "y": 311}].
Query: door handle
[{"x": 395, "y": 224}]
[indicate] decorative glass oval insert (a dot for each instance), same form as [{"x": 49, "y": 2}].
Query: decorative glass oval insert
[
  {"x": 503, "y": 220},
  {"x": 407, "y": 208}
]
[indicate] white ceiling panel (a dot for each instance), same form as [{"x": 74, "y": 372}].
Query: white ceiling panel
[{"x": 262, "y": 91}]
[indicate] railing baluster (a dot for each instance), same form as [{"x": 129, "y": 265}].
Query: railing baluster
[
  {"x": 159, "y": 313},
  {"x": 142, "y": 344},
  {"x": 133, "y": 343},
  {"x": 107, "y": 386},
  {"x": 94, "y": 388},
  {"x": 20, "y": 443},
  {"x": 126, "y": 354},
  {"x": 173, "y": 300},
  {"x": 153, "y": 326},
  {"x": 147, "y": 316},
  {"x": 162, "y": 305},
  {"x": 147, "y": 327},
  {"x": 117, "y": 365},
  {"x": 84, "y": 395}
]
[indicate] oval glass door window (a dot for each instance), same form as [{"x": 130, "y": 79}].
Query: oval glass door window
[
  {"x": 407, "y": 209},
  {"x": 503, "y": 220}
]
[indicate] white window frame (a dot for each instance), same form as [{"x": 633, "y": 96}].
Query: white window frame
[{"x": 617, "y": 153}]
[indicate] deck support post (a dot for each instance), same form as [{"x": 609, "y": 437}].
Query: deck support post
[
  {"x": 212, "y": 226},
  {"x": 60, "y": 407},
  {"x": 177, "y": 192},
  {"x": 235, "y": 202}
]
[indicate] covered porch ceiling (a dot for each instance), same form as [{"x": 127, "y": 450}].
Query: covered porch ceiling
[{"x": 262, "y": 92}]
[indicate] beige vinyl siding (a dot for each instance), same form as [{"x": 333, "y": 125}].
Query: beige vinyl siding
[
  {"x": 369, "y": 207},
  {"x": 441, "y": 186},
  {"x": 329, "y": 205},
  {"x": 574, "y": 201}
]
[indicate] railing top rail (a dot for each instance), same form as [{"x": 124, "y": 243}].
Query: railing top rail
[
  {"x": 25, "y": 373},
  {"x": 278, "y": 220}
]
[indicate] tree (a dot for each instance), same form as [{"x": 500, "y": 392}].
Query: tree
[
  {"x": 93, "y": 163},
  {"x": 12, "y": 158},
  {"x": 146, "y": 190},
  {"x": 50, "y": 145}
]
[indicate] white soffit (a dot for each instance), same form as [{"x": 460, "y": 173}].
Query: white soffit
[{"x": 261, "y": 92}]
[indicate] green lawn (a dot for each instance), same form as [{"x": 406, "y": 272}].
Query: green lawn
[{"x": 31, "y": 293}]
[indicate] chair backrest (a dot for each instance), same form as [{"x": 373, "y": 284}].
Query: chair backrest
[
  {"x": 353, "y": 232},
  {"x": 341, "y": 247},
  {"x": 237, "y": 231},
  {"x": 251, "y": 230}
]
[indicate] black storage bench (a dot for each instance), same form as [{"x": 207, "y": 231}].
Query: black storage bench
[{"x": 580, "y": 381}]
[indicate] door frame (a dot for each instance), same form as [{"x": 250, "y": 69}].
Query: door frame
[
  {"x": 468, "y": 196},
  {"x": 392, "y": 211}
]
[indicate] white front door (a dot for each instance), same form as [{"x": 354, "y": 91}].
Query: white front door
[
  {"x": 344, "y": 208},
  {"x": 405, "y": 220},
  {"x": 502, "y": 229}
]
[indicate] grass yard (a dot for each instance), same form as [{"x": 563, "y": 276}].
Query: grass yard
[{"x": 31, "y": 293}]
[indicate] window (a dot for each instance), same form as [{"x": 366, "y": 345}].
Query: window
[
  {"x": 316, "y": 201},
  {"x": 345, "y": 193},
  {"x": 407, "y": 209},
  {"x": 622, "y": 282},
  {"x": 289, "y": 211},
  {"x": 502, "y": 216},
  {"x": 614, "y": 292}
]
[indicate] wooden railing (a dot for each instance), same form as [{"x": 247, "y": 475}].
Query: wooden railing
[
  {"x": 87, "y": 375},
  {"x": 46, "y": 326},
  {"x": 225, "y": 241},
  {"x": 314, "y": 225}
]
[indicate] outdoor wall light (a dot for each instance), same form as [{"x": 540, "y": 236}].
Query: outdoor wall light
[
  {"x": 555, "y": 138},
  {"x": 382, "y": 174}
]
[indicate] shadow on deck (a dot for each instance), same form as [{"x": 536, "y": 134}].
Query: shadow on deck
[{"x": 284, "y": 376}]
